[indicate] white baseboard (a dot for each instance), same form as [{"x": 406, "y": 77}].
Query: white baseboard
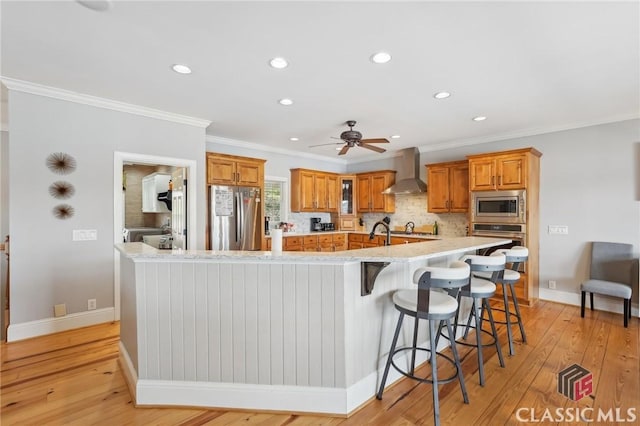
[
  {"x": 602, "y": 303},
  {"x": 45, "y": 326}
]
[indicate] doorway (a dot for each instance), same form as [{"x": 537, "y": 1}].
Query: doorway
[{"x": 120, "y": 160}]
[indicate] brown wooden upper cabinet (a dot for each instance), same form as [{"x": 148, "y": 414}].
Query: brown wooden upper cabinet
[
  {"x": 498, "y": 172},
  {"x": 448, "y": 187},
  {"x": 225, "y": 169},
  {"x": 313, "y": 191},
  {"x": 369, "y": 191}
]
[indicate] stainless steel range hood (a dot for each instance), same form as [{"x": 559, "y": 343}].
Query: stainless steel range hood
[{"x": 408, "y": 174}]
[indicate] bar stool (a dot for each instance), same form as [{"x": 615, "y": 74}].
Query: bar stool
[
  {"x": 480, "y": 291},
  {"x": 514, "y": 256},
  {"x": 425, "y": 303}
]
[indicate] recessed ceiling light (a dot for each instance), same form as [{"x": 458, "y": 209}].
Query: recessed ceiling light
[
  {"x": 97, "y": 5},
  {"x": 285, "y": 101},
  {"x": 294, "y": 139},
  {"x": 479, "y": 118},
  {"x": 442, "y": 95},
  {"x": 395, "y": 137},
  {"x": 339, "y": 148},
  {"x": 381, "y": 58},
  {"x": 181, "y": 69},
  {"x": 279, "y": 63}
]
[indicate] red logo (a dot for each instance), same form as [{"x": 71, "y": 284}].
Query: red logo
[{"x": 575, "y": 382}]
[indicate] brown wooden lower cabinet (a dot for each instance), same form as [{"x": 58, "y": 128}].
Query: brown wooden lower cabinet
[{"x": 337, "y": 242}]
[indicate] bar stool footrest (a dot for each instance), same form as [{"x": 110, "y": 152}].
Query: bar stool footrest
[{"x": 420, "y": 379}]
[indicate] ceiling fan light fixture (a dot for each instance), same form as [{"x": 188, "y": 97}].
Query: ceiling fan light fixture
[
  {"x": 285, "y": 101},
  {"x": 181, "y": 69},
  {"x": 442, "y": 95},
  {"x": 380, "y": 58},
  {"x": 278, "y": 63},
  {"x": 479, "y": 118}
]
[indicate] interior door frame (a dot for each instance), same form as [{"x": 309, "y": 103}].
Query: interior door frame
[{"x": 119, "y": 159}]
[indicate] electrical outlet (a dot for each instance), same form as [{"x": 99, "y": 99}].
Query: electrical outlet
[
  {"x": 558, "y": 230},
  {"x": 59, "y": 310},
  {"x": 85, "y": 234},
  {"x": 91, "y": 304},
  {"x": 552, "y": 285}
]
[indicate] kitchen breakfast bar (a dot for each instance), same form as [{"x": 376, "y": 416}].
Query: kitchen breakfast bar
[{"x": 288, "y": 331}]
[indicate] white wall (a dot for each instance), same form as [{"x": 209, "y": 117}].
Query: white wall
[{"x": 47, "y": 267}]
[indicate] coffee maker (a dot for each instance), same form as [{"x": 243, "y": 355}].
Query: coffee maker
[{"x": 315, "y": 224}]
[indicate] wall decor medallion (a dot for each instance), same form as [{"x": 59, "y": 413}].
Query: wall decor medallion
[
  {"x": 63, "y": 211},
  {"x": 61, "y": 190},
  {"x": 61, "y": 163}
]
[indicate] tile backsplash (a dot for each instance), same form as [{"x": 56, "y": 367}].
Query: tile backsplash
[{"x": 413, "y": 208}]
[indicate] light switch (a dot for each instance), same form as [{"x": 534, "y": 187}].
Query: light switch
[
  {"x": 558, "y": 230},
  {"x": 85, "y": 234}
]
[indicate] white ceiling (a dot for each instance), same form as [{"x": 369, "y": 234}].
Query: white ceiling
[{"x": 530, "y": 67}]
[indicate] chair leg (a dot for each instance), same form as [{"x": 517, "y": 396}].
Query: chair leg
[
  {"x": 471, "y": 313},
  {"x": 456, "y": 358},
  {"x": 434, "y": 372},
  {"x": 591, "y": 300},
  {"x": 583, "y": 297},
  {"x": 476, "y": 305},
  {"x": 415, "y": 343},
  {"x": 495, "y": 333},
  {"x": 507, "y": 315},
  {"x": 390, "y": 357},
  {"x": 627, "y": 311},
  {"x": 517, "y": 307}
]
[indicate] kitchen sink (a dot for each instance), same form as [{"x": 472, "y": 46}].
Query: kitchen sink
[
  {"x": 409, "y": 233},
  {"x": 157, "y": 241}
]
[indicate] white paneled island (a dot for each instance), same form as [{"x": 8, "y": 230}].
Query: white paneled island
[{"x": 289, "y": 331}]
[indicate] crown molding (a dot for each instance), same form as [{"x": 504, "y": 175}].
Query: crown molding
[
  {"x": 524, "y": 133},
  {"x": 66, "y": 95},
  {"x": 267, "y": 148}
]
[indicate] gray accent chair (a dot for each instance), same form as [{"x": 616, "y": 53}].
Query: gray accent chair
[{"x": 611, "y": 274}]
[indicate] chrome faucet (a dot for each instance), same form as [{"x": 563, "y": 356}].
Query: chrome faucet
[
  {"x": 384, "y": 222},
  {"x": 408, "y": 228}
]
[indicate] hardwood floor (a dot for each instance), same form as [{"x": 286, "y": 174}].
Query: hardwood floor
[{"x": 73, "y": 378}]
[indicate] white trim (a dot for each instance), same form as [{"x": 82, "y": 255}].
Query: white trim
[
  {"x": 266, "y": 148},
  {"x": 45, "y": 326},
  {"x": 129, "y": 371},
  {"x": 80, "y": 98},
  {"x": 119, "y": 158},
  {"x": 603, "y": 303}
]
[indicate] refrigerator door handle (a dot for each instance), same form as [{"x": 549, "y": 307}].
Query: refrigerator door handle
[{"x": 238, "y": 216}]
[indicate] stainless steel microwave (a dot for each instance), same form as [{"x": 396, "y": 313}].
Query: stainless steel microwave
[{"x": 498, "y": 206}]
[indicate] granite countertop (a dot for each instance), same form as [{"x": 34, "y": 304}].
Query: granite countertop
[{"x": 393, "y": 253}]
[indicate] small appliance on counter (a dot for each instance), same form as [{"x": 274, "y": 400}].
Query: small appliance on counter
[
  {"x": 316, "y": 224},
  {"x": 328, "y": 227}
]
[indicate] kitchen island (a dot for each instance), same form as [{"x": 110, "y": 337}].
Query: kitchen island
[{"x": 288, "y": 331}]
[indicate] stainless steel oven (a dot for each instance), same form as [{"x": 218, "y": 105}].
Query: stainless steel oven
[
  {"x": 516, "y": 232},
  {"x": 498, "y": 206}
]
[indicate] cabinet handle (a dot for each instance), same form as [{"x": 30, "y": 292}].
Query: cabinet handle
[{"x": 238, "y": 176}]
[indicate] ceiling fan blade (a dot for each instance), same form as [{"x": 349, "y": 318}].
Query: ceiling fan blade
[
  {"x": 325, "y": 144},
  {"x": 379, "y": 140},
  {"x": 344, "y": 150},
  {"x": 372, "y": 147}
]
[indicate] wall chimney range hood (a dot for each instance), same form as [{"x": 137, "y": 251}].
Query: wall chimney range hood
[{"x": 408, "y": 174}]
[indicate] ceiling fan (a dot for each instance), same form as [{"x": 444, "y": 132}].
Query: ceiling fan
[{"x": 352, "y": 138}]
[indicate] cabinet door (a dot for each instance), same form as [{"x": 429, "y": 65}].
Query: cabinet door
[
  {"x": 459, "y": 189},
  {"x": 380, "y": 202},
  {"x": 355, "y": 245},
  {"x": 438, "y": 191},
  {"x": 307, "y": 192},
  {"x": 364, "y": 191},
  {"x": 221, "y": 171},
  {"x": 248, "y": 173},
  {"x": 332, "y": 193},
  {"x": 511, "y": 171},
  {"x": 483, "y": 174},
  {"x": 320, "y": 193}
]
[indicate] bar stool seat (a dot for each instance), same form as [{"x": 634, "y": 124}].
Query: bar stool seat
[{"x": 429, "y": 302}]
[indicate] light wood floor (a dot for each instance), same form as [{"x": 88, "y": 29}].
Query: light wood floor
[{"x": 73, "y": 378}]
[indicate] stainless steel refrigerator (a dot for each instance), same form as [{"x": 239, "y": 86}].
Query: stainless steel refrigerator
[{"x": 235, "y": 218}]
